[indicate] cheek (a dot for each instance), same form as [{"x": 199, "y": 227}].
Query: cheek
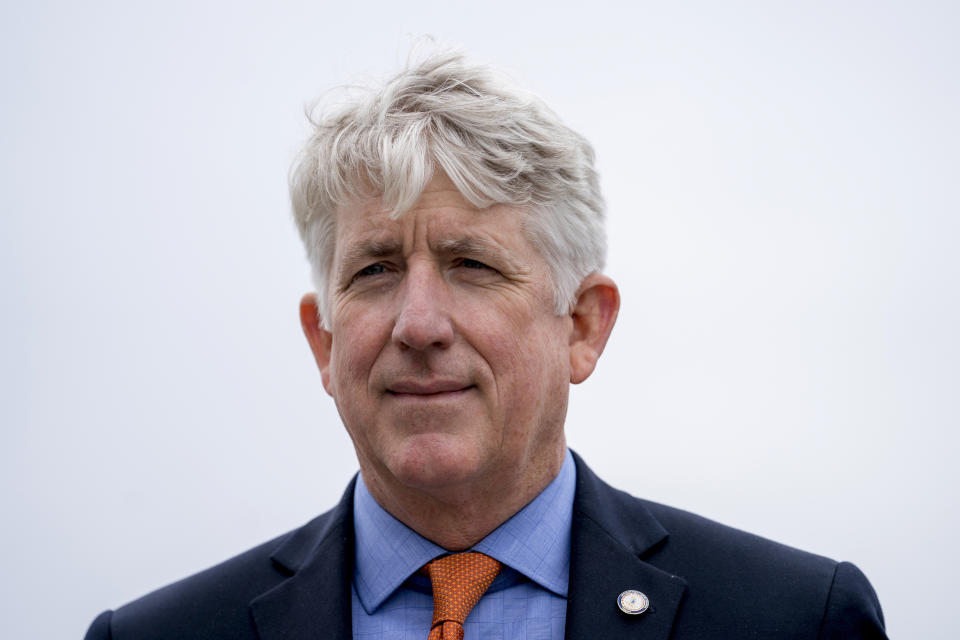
[
  {"x": 354, "y": 350},
  {"x": 530, "y": 355}
]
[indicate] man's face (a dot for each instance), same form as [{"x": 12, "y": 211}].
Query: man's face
[{"x": 447, "y": 362}]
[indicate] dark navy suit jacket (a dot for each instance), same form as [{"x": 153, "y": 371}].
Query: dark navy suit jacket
[{"x": 704, "y": 581}]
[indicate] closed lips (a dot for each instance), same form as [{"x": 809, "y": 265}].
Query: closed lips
[{"x": 426, "y": 389}]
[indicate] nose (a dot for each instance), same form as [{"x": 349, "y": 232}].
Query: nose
[{"x": 423, "y": 320}]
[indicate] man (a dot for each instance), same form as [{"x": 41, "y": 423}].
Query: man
[{"x": 455, "y": 231}]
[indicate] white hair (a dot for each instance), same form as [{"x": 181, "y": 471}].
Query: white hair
[{"x": 497, "y": 144}]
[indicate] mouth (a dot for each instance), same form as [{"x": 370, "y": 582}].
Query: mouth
[{"x": 427, "y": 391}]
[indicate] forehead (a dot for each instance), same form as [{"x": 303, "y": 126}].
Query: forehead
[{"x": 441, "y": 216}]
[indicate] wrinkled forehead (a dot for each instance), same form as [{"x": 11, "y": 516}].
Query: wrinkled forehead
[{"x": 441, "y": 217}]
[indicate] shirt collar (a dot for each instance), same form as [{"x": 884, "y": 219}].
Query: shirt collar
[{"x": 535, "y": 542}]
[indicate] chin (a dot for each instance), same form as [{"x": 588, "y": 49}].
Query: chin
[{"x": 436, "y": 461}]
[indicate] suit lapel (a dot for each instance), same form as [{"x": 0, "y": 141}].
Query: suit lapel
[
  {"x": 611, "y": 533},
  {"x": 315, "y": 601}
]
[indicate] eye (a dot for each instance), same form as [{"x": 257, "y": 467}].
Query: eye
[
  {"x": 371, "y": 270},
  {"x": 469, "y": 263}
]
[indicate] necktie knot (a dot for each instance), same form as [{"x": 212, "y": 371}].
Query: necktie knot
[{"x": 458, "y": 580}]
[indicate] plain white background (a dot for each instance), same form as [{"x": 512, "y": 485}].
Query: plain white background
[{"x": 783, "y": 219}]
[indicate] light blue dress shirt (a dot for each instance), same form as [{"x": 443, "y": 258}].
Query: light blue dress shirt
[{"x": 527, "y": 601}]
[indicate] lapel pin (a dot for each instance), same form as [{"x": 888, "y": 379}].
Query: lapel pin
[{"x": 633, "y": 602}]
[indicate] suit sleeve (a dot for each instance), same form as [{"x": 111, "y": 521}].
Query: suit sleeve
[
  {"x": 100, "y": 628},
  {"x": 853, "y": 610}
]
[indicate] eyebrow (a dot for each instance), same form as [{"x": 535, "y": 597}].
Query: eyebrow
[
  {"x": 480, "y": 248},
  {"x": 370, "y": 249},
  {"x": 470, "y": 246},
  {"x": 381, "y": 249},
  {"x": 487, "y": 251},
  {"x": 363, "y": 251}
]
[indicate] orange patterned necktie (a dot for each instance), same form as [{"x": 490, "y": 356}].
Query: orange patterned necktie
[{"x": 458, "y": 582}]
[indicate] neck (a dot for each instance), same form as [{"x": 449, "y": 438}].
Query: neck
[{"x": 458, "y": 517}]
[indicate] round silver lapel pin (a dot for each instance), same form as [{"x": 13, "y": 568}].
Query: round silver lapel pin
[{"x": 633, "y": 602}]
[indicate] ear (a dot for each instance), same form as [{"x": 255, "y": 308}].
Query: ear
[
  {"x": 594, "y": 313},
  {"x": 319, "y": 338}
]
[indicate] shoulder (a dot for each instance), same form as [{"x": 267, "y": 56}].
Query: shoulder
[
  {"x": 199, "y": 605},
  {"x": 712, "y": 547},
  {"x": 215, "y": 597},
  {"x": 682, "y": 541},
  {"x": 741, "y": 583},
  {"x": 215, "y": 603},
  {"x": 771, "y": 585}
]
